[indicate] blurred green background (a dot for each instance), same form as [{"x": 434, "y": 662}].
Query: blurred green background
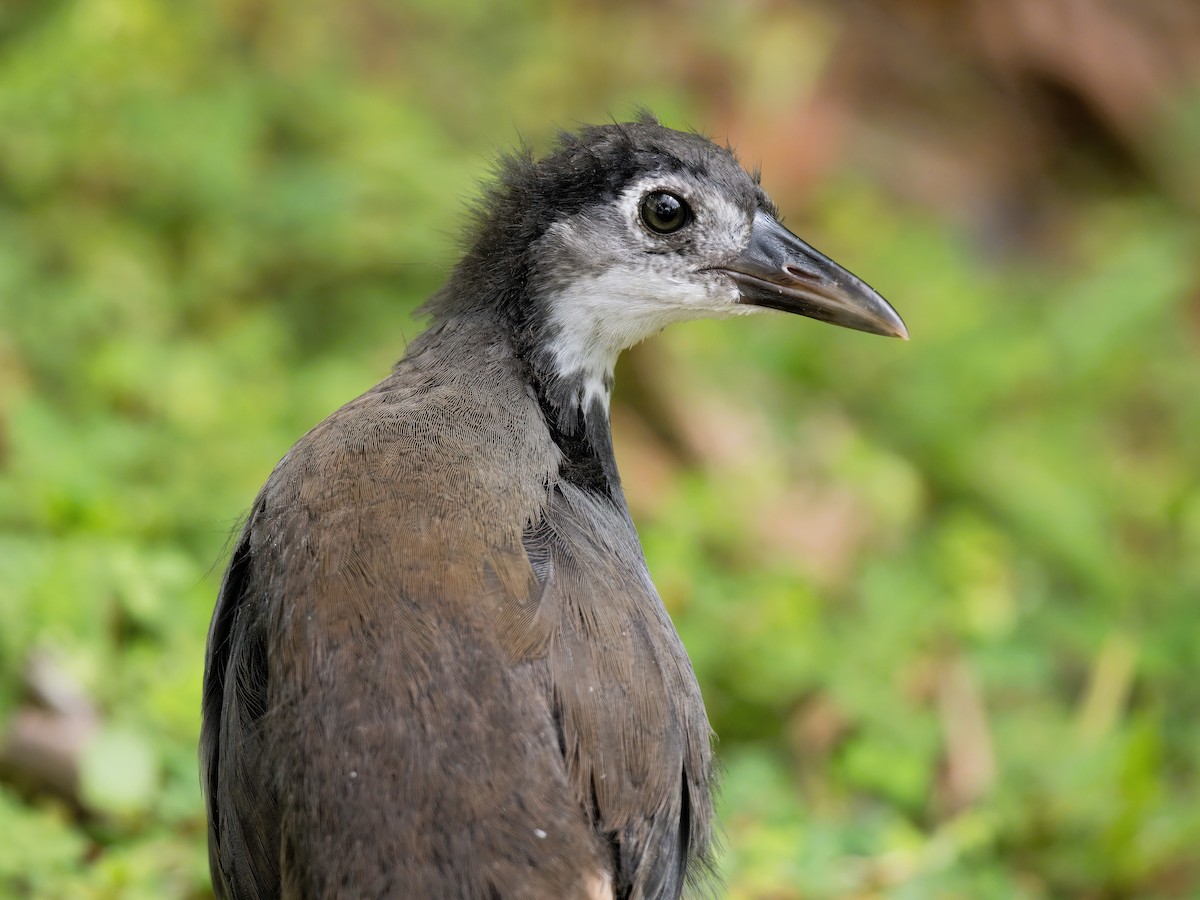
[{"x": 942, "y": 596}]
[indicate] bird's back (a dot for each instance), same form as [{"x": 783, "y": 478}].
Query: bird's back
[{"x": 437, "y": 669}]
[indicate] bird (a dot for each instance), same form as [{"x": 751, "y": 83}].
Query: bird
[{"x": 437, "y": 665}]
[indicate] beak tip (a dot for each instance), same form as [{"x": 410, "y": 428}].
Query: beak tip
[{"x": 893, "y": 325}]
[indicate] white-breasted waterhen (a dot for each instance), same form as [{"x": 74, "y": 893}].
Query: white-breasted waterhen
[{"x": 438, "y": 667}]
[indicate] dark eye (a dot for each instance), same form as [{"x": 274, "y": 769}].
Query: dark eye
[{"x": 664, "y": 213}]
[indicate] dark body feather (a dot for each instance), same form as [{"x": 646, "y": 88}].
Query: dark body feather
[{"x": 438, "y": 668}]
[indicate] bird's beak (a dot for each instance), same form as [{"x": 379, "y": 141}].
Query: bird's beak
[{"x": 780, "y": 271}]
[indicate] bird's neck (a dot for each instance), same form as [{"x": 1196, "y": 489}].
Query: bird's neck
[
  {"x": 575, "y": 406},
  {"x": 573, "y": 399}
]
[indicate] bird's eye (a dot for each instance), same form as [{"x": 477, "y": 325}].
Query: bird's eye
[{"x": 664, "y": 213}]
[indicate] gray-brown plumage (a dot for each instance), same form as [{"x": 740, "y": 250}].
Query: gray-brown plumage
[{"x": 438, "y": 667}]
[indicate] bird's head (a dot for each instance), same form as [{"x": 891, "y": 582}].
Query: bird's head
[{"x": 627, "y": 228}]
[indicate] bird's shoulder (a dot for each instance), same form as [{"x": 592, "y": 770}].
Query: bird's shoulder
[{"x": 449, "y": 433}]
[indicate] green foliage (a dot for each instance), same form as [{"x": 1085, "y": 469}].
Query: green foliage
[{"x": 941, "y": 596}]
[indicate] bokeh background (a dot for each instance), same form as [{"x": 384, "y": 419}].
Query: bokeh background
[{"x": 942, "y": 596}]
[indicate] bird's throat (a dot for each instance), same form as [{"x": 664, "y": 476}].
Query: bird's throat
[{"x": 575, "y": 406}]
